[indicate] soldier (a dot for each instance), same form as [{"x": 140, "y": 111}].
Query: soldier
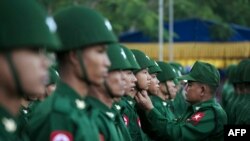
[
  {"x": 203, "y": 120},
  {"x": 109, "y": 122},
  {"x": 65, "y": 115},
  {"x": 180, "y": 104},
  {"x": 132, "y": 120},
  {"x": 25, "y": 30},
  {"x": 168, "y": 88}
]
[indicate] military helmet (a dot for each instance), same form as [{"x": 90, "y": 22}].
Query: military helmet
[
  {"x": 168, "y": 72},
  {"x": 131, "y": 58},
  {"x": 142, "y": 59},
  {"x": 155, "y": 68},
  {"x": 26, "y": 24},
  {"x": 80, "y": 27},
  {"x": 118, "y": 58}
]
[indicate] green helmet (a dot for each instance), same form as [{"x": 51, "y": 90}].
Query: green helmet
[
  {"x": 240, "y": 70},
  {"x": 80, "y": 27},
  {"x": 231, "y": 72},
  {"x": 131, "y": 58},
  {"x": 25, "y": 24},
  {"x": 155, "y": 68},
  {"x": 118, "y": 58},
  {"x": 246, "y": 76},
  {"x": 168, "y": 72},
  {"x": 142, "y": 59},
  {"x": 178, "y": 67},
  {"x": 53, "y": 76}
]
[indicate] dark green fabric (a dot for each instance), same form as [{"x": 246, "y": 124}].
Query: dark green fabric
[
  {"x": 243, "y": 111},
  {"x": 117, "y": 109},
  {"x": 155, "y": 68},
  {"x": 239, "y": 75},
  {"x": 246, "y": 76},
  {"x": 9, "y": 130},
  {"x": 118, "y": 58},
  {"x": 226, "y": 93},
  {"x": 167, "y": 73},
  {"x": 26, "y": 24},
  {"x": 64, "y": 111},
  {"x": 80, "y": 27},
  {"x": 204, "y": 73},
  {"x": 131, "y": 58},
  {"x": 163, "y": 107},
  {"x": 105, "y": 121},
  {"x": 142, "y": 59},
  {"x": 208, "y": 126},
  {"x": 132, "y": 120},
  {"x": 180, "y": 104}
]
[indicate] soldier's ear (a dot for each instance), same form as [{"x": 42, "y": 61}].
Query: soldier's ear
[
  {"x": 73, "y": 58},
  {"x": 203, "y": 89}
]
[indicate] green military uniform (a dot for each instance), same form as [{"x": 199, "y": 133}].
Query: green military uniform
[
  {"x": 23, "y": 25},
  {"x": 8, "y": 126},
  {"x": 109, "y": 121},
  {"x": 202, "y": 121},
  {"x": 117, "y": 109},
  {"x": 106, "y": 121},
  {"x": 63, "y": 115},
  {"x": 180, "y": 105},
  {"x": 242, "y": 111},
  {"x": 237, "y": 97},
  {"x": 132, "y": 120}
]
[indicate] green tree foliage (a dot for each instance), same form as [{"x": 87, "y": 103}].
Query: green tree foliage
[{"x": 131, "y": 15}]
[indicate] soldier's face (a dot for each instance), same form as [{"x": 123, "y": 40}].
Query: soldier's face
[
  {"x": 154, "y": 84},
  {"x": 32, "y": 68},
  {"x": 116, "y": 83},
  {"x": 130, "y": 81},
  {"x": 96, "y": 62},
  {"x": 143, "y": 79},
  {"x": 193, "y": 92},
  {"x": 172, "y": 88}
]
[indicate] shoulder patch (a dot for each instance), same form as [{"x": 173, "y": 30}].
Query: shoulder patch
[
  {"x": 197, "y": 117},
  {"x": 126, "y": 120},
  {"x": 60, "y": 135}
]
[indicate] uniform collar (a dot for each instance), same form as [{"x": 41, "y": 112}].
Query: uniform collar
[
  {"x": 208, "y": 103},
  {"x": 66, "y": 90},
  {"x": 7, "y": 120},
  {"x": 130, "y": 100},
  {"x": 100, "y": 106}
]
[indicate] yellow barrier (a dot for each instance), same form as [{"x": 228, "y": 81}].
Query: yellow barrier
[{"x": 219, "y": 54}]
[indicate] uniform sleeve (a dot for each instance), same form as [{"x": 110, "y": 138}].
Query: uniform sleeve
[{"x": 185, "y": 130}]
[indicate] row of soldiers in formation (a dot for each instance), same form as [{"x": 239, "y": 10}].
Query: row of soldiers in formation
[{"x": 106, "y": 91}]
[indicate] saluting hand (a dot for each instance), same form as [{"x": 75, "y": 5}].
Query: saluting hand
[{"x": 144, "y": 101}]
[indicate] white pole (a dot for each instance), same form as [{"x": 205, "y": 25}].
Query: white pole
[
  {"x": 161, "y": 30},
  {"x": 171, "y": 30}
]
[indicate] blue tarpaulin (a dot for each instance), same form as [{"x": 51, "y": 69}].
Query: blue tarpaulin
[{"x": 191, "y": 30}]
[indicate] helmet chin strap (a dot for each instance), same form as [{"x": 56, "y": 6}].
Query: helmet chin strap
[
  {"x": 14, "y": 73},
  {"x": 168, "y": 91},
  {"x": 108, "y": 90},
  {"x": 82, "y": 66}
]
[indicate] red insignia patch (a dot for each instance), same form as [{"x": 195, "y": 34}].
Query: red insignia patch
[
  {"x": 101, "y": 137},
  {"x": 197, "y": 117},
  {"x": 126, "y": 120},
  {"x": 139, "y": 122},
  {"x": 60, "y": 135}
]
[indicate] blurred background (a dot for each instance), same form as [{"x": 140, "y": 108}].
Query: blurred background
[{"x": 214, "y": 31}]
